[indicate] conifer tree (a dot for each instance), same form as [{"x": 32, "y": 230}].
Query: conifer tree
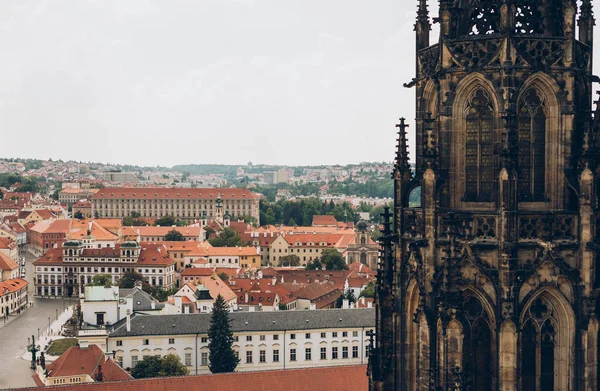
[{"x": 221, "y": 356}]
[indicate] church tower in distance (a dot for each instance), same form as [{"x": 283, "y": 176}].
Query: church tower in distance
[{"x": 488, "y": 275}]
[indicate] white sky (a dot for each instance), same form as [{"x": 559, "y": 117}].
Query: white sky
[{"x": 164, "y": 82}]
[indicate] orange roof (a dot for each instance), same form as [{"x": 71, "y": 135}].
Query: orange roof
[
  {"x": 12, "y": 285},
  {"x": 45, "y": 214},
  {"x": 174, "y": 193},
  {"x": 97, "y": 231},
  {"x": 6, "y": 263},
  {"x": 324, "y": 220},
  {"x": 153, "y": 254},
  {"x": 80, "y": 361},
  {"x": 187, "y": 232},
  {"x": 7, "y": 242},
  {"x": 342, "y": 378},
  {"x": 215, "y": 286},
  {"x": 82, "y": 204}
]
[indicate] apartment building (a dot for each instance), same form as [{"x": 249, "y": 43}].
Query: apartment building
[
  {"x": 263, "y": 340},
  {"x": 181, "y": 203},
  {"x": 65, "y": 271}
]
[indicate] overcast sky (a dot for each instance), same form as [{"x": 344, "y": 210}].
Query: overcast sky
[{"x": 165, "y": 82}]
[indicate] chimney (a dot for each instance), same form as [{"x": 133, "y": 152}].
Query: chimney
[
  {"x": 345, "y": 304},
  {"x": 153, "y": 305},
  {"x": 138, "y": 285},
  {"x": 128, "y": 323},
  {"x": 370, "y": 304},
  {"x": 246, "y": 297},
  {"x": 313, "y": 306}
]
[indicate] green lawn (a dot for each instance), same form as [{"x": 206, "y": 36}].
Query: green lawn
[{"x": 59, "y": 346}]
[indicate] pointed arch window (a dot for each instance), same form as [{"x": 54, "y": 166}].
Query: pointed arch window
[
  {"x": 477, "y": 346},
  {"x": 532, "y": 147},
  {"x": 479, "y": 166},
  {"x": 484, "y": 17},
  {"x": 539, "y": 347}
]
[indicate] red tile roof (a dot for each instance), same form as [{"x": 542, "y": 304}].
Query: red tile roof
[
  {"x": 7, "y": 242},
  {"x": 12, "y": 285},
  {"x": 6, "y": 263},
  {"x": 338, "y": 378},
  {"x": 78, "y": 361},
  {"x": 174, "y": 193},
  {"x": 326, "y": 220}
]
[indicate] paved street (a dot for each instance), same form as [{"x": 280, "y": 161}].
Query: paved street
[{"x": 14, "y": 372}]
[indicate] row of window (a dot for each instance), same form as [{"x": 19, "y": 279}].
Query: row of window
[
  {"x": 334, "y": 334},
  {"x": 262, "y": 354}
]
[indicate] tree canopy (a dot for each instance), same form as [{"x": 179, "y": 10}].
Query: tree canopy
[
  {"x": 174, "y": 236},
  {"x": 289, "y": 260},
  {"x": 169, "y": 221},
  {"x": 333, "y": 260},
  {"x": 102, "y": 280},
  {"x": 221, "y": 354},
  {"x": 78, "y": 215},
  {"x": 227, "y": 238},
  {"x": 156, "y": 366}
]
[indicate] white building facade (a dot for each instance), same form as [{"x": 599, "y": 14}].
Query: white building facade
[{"x": 263, "y": 340}]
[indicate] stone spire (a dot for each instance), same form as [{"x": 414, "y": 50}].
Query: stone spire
[
  {"x": 402, "y": 161},
  {"x": 422, "y": 25},
  {"x": 586, "y": 23}
]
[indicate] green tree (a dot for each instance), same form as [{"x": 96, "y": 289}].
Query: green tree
[
  {"x": 102, "y": 280},
  {"x": 221, "y": 355},
  {"x": 129, "y": 278},
  {"x": 314, "y": 265},
  {"x": 165, "y": 221},
  {"x": 223, "y": 276},
  {"x": 156, "y": 366},
  {"x": 227, "y": 238},
  {"x": 78, "y": 215},
  {"x": 349, "y": 295},
  {"x": 149, "y": 366},
  {"x": 369, "y": 291},
  {"x": 333, "y": 260},
  {"x": 174, "y": 236},
  {"x": 135, "y": 215},
  {"x": 289, "y": 260},
  {"x": 172, "y": 366}
]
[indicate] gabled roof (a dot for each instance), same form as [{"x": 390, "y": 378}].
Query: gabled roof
[
  {"x": 12, "y": 285},
  {"x": 182, "y": 324},
  {"x": 215, "y": 286},
  {"x": 86, "y": 361},
  {"x": 142, "y": 301},
  {"x": 6, "y": 263},
  {"x": 326, "y": 220},
  {"x": 342, "y": 378},
  {"x": 97, "y": 231}
]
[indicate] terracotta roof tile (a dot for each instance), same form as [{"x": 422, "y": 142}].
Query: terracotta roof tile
[
  {"x": 338, "y": 378},
  {"x": 6, "y": 263}
]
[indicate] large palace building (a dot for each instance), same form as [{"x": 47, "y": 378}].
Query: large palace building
[
  {"x": 181, "y": 203},
  {"x": 491, "y": 281}
]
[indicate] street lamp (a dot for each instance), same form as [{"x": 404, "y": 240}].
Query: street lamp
[
  {"x": 48, "y": 325},
  {"x": 57, "y": 314}
]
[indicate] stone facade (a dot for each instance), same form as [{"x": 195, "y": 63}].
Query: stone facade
[{"x": 490, "y": 282}]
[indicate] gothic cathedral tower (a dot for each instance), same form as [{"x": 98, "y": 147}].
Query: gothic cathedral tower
[{"x": 490, "y": 282}]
